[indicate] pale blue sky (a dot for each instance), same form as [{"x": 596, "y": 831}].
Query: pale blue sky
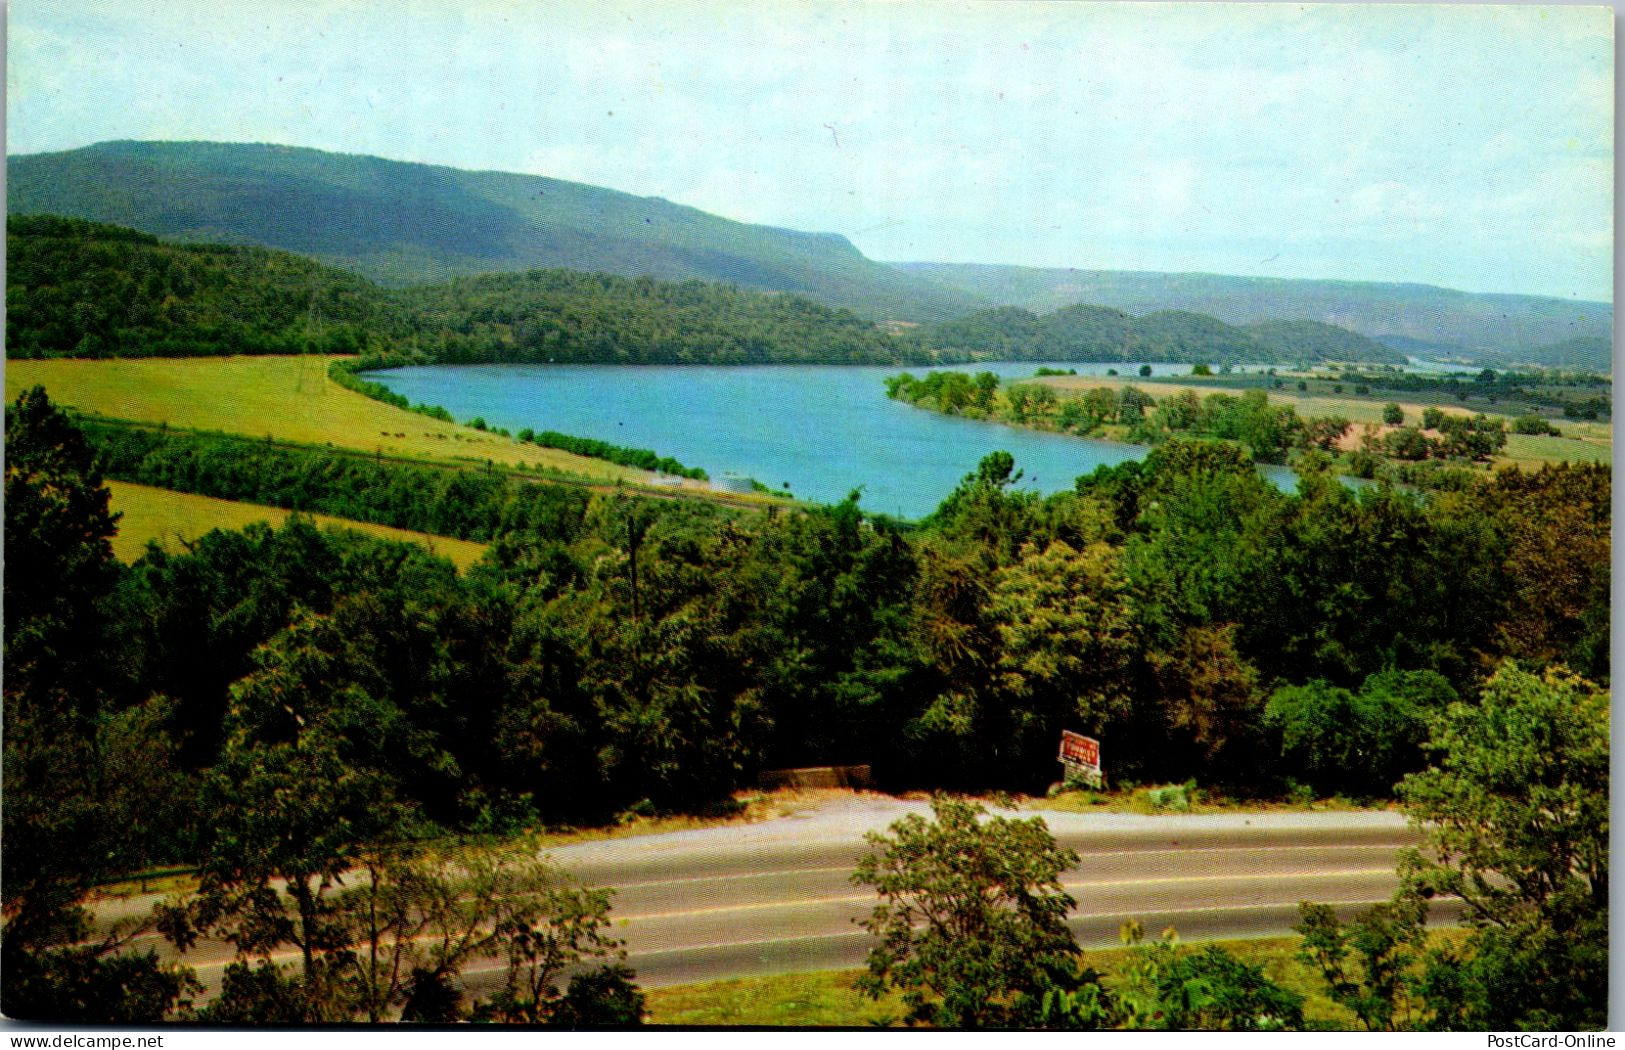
[{"x": 1457, "y": 145}]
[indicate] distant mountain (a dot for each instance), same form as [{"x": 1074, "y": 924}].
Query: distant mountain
[
  {"x": 81, "y": 289},
  {"x": 400, "y": 223},
  {"x": 1491, "y": 327},
  {"x": 1318, "y": 341},
  {"x": 1586, "y": 353},
  {"x": 1098, "y": 333}
]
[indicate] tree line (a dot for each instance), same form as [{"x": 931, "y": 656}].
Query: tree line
[
  {"x": 1577, "y": 395},
  {"x": 615, "y": 651},
  {"x": 83, "y": 289},
  {"x": 1512, "y": 809},
  {"x": 1271, "y": 433},
  {"x": 1098, "y": 333}
]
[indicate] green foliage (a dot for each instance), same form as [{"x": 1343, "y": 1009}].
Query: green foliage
[
  {"x": 79, "y": 289},
  {"x": 1094, "y": 333},
  {"x": 101, "y": 984},
  {"x": 1516, "y": 814},
  {"x": 59, "y": 573},
  {"x": 1533, "y": 424},
  {"x": 462, "y": 222},
  {"x": 68, "y": 747},
  {"x": 1064, "y": 625},
  {"x": 1357, "y": 743},
  {"x": 288, "y": 705},
  {"x": 86, "y": 290},
  {"x": 1366, "y": 964},
  {"x": 1166, "y": 986},
  {"x": 1408, "y": 443},
  {"x": 1324, "y": 432},
  {"x": 1175, "y": 798},
  {"x": 1555, "y": 524},
  {"x": 545, "y": 316},
  {"x": 461, "y": 504},
  {"x": 642, "y": 458},
  {"x": 407, "y": 922},
  {"x": 1393, "y": 415},
  {"x": 955, "y": 393},
  {"x": 971, "y": 920}
]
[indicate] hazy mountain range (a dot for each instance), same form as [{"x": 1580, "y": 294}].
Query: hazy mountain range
[{"x": 401, "y": 223}]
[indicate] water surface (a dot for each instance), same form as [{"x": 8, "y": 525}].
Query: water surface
[{"x": 816, "y": 432}]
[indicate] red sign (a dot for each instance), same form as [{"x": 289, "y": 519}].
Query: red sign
[{"x": 1077, "y": 749}]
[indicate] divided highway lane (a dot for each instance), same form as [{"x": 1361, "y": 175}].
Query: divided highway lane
[{"x": 777, "y": 897}]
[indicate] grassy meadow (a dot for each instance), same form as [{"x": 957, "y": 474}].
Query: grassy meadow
[
  {"x": 1529, "y": 451},
  {"x": 285, "y": 398},
  {"x": 828, "y": 999},
  {"x": 173, "y": 519}
]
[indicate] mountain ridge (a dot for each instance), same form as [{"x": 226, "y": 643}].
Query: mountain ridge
[
  {"x": 400, "y": 222},
  {"x": 406, "y": 223},
  {"x": 1498, "y": 325}
]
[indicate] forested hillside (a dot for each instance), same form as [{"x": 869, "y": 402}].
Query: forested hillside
[
  {"x": 285, "y": 703},
  {"x": 1511, "y": 328},
  {"x": 404, "y": 224},
  {"x": 401, "y": 223},
  {"x": 78, "y": 289},
  {"x": 565, "y": 316},
  {"x": 1098, "y": 333},
  {"x": 81, "y": 289}
]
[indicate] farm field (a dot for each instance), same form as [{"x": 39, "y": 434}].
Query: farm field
[
  {"x": 1354, "y": 409},
  {"x": 285, "y": 398},
  {"x": 1529, "y": 451},
  {"x": 173, "y": 519},
  {"x": 1582, "y": 442}
]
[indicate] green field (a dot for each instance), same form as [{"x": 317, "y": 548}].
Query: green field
[
  {"x": 173, "y": 519},
  {"x": 1580, "y": 443},
  {"x": 827, "y": 998},
  {"x": 1532, "y": 450},
  {"x": 285, "y": 398}
]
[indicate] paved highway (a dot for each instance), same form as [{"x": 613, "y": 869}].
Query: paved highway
[{"x": 777, "y": 897}]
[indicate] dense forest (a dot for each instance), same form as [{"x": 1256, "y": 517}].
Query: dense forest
[
  {"x": 1098, "y": 333},
  {"x": 79, "y": 289},
  {"x": 290, "y": 707},
  {"x": 615, "y": 651},
  {"x": 568, "y": 317},
  {"x": 409, "y": 224}
]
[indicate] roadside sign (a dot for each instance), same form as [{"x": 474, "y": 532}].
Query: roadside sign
[{"x": 1080, "y": 755}]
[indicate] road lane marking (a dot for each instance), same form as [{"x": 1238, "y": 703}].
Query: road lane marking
[
  {"x": 719, "y": 945},
  {"x": 1173, "y": 880},
  {"x": 1096, "y": 917},
  {"x": 737, "y": 876}
]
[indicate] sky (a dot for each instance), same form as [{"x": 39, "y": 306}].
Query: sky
[{"x": 1458, "y": 145}]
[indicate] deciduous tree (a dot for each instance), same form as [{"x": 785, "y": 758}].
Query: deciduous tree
[{"x": 971, "y": 919}]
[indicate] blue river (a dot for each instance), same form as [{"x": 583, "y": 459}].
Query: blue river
[{"x": 815, "y": 432}]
